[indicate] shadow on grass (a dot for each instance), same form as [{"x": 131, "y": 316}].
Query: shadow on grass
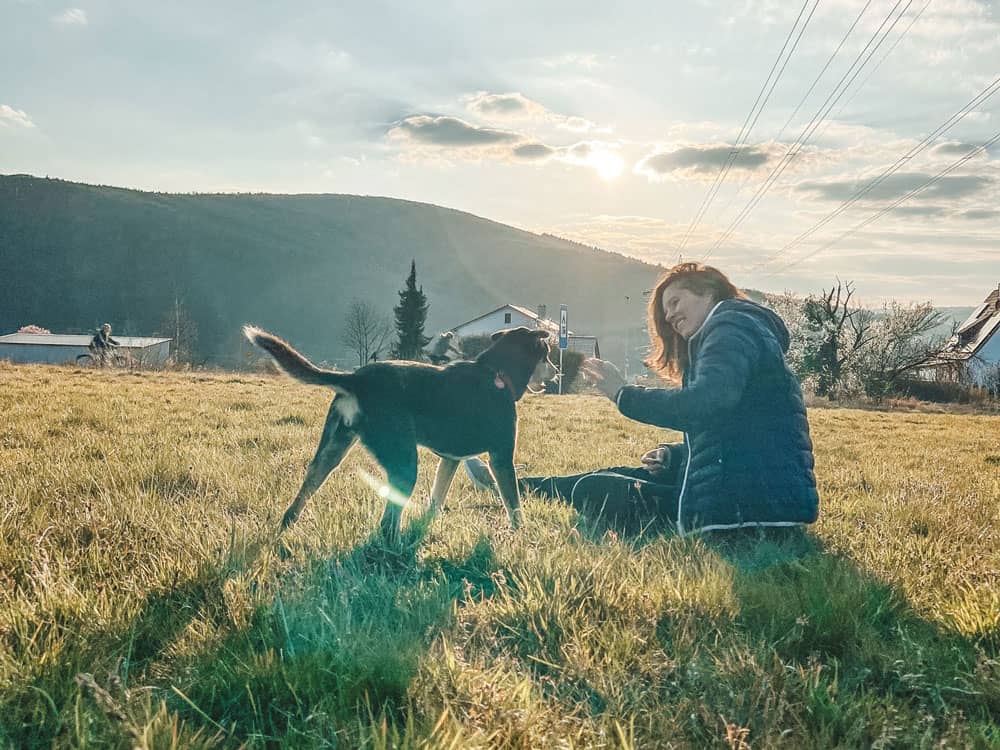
[
  {"x": 345, "y": 635},
  {"x": 351, "y": 629},
  {"x": 810, "y": 643},
  {"x": 879, "y": 672}
]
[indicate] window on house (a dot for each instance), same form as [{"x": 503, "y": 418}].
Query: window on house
[{"x": 506, "y": 317}]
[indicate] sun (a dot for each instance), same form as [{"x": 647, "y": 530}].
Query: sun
[{"x": 608, "y": 164}]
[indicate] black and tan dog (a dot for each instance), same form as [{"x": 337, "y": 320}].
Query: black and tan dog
[{"x": 461, "y": 409}]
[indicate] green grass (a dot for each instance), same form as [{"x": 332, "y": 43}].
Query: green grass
[{"x": 144, "y": 601}]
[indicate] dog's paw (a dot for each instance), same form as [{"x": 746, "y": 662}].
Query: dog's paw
[{"x": 283, "y": 551}]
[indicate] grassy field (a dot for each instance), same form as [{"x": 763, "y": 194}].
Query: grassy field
[{"x": 145, "y": 603}]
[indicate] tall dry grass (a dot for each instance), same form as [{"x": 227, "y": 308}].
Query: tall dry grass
[{"x": 145, "y": 603}]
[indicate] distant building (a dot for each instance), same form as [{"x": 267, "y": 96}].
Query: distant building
[
  {"x": 60, "y": 348},
  {"x": 973, "y": 353},
  {"x": 512, "y": 316}
]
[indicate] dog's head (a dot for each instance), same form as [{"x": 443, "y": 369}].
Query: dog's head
[{"x": 517, "y": 353}]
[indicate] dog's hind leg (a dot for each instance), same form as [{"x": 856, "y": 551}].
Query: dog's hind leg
[
  {"x": 502, "y": 466},
  {"x": 442, "y": 481},
  {"x": 336, "y": 443}
]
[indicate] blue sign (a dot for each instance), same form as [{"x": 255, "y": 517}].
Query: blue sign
[{"x": 563, "y": 327}]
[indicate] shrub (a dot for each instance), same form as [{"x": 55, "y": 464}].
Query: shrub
[
  {"x": 473, "y": 346},
  {"x": 943, "y": 392}
]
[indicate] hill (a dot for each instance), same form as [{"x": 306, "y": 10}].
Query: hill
[{"x": 76, "y": 255}]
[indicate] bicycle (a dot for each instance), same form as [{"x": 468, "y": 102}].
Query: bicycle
[{"x": 104, "y": 359}]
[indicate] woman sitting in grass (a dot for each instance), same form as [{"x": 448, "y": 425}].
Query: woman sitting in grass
[{"x": 746, "y": 459}]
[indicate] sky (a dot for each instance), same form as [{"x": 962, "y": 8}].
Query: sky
[{"x": 609, "y": 124}]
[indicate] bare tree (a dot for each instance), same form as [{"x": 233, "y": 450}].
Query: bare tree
[
  {"x": 789, "y": 308},
  {"x": 366, "y": 331},
  {"x": 836, "y": 335},
  {"x": 178, "y": 324},
  {"x": 991, "y": 378},
  {"x": 899, "y": 344}
]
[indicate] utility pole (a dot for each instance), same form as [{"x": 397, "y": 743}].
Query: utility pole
[{"x": 628, "y": 337}]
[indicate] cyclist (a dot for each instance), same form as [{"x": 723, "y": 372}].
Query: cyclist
[{"x": 102, "y": 344}]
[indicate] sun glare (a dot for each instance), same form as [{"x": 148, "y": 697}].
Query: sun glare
[{"x": 608, "y": 165}]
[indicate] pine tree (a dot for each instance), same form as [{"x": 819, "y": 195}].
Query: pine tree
[{"x": 411, "y": 313}]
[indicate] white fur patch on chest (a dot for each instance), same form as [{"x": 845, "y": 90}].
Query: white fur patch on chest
[{"x": 348, "y": 408}]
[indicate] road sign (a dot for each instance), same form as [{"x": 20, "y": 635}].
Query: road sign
[{"x": 563, "y": 327}]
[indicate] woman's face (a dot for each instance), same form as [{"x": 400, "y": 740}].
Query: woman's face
[{"x": 685, "y": 310}]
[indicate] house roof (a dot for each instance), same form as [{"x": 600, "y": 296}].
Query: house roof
[
  {"x": 977, "y": 329},
  {"x": 72, "y": 339},
  {"x": 549, "y": 325}
]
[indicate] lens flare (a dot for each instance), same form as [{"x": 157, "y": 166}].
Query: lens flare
[{"x": 384, "y": 490}]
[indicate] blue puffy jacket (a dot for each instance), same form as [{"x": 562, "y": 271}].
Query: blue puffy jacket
[{"x": 747, "y": 458}]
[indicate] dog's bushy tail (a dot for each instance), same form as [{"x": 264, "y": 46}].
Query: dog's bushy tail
[{"x": 294, "y": 363}]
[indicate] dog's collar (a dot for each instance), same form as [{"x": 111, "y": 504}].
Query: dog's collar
[{"x": 502, "y": 380}]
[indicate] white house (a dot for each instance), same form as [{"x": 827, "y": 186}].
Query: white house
[
  {"x": 512, "y": 316},
  {"x": 975, "y": 347},
  {"x": 60, "y": 348}
]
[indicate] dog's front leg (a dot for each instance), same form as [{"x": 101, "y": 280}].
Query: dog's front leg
[
  {"x": 442, "y": 481},
  {"x": 503, "y": 470}
]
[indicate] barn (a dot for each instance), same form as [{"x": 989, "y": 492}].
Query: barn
[{"x": 64, "y": 348}]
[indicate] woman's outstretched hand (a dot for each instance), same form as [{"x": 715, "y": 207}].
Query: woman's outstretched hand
[
  {"x": 603, "y": 375},
  {"x": 652, "y": 461}
]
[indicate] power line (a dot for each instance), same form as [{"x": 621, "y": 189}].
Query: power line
[
  {"x": 802, "y": 101},
  {"x": 810, "y": 128},
  {"x": 850, "y": 99},
  {"x": 976, "y": 101},
  {"x": 751, "y": 120},
  {"x": 955, "y": 165},
  {"x": 817, "y": 118},
  {"x": 827, "y": 65}
]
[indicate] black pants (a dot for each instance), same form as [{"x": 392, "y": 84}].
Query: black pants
[{"x": 623, "y": 495}]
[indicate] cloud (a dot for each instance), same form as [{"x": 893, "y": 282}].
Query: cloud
[
  {"x": 10, "y": 117},
  {"x": 700, "y": 161},
  {"x": 71, "y": 17},
  {"x": 516, "y": 106},
  {"x": 599, "y": 155},
  {"x": 978, "y": 214},
  {"x": 449, "y": 132},
  {"x": 580, "y": 125},
  {"x": 505, "y": 105},
  {"x": 534, "y": 151},
  {"x": 956, "y": 148},
  {"x": 920, "y": 211},
  {"x": 897, "y": 185},
  {"x": 440, "y": 137}
]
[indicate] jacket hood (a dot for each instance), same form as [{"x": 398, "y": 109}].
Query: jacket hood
[{"x": 762, "y": 316}]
